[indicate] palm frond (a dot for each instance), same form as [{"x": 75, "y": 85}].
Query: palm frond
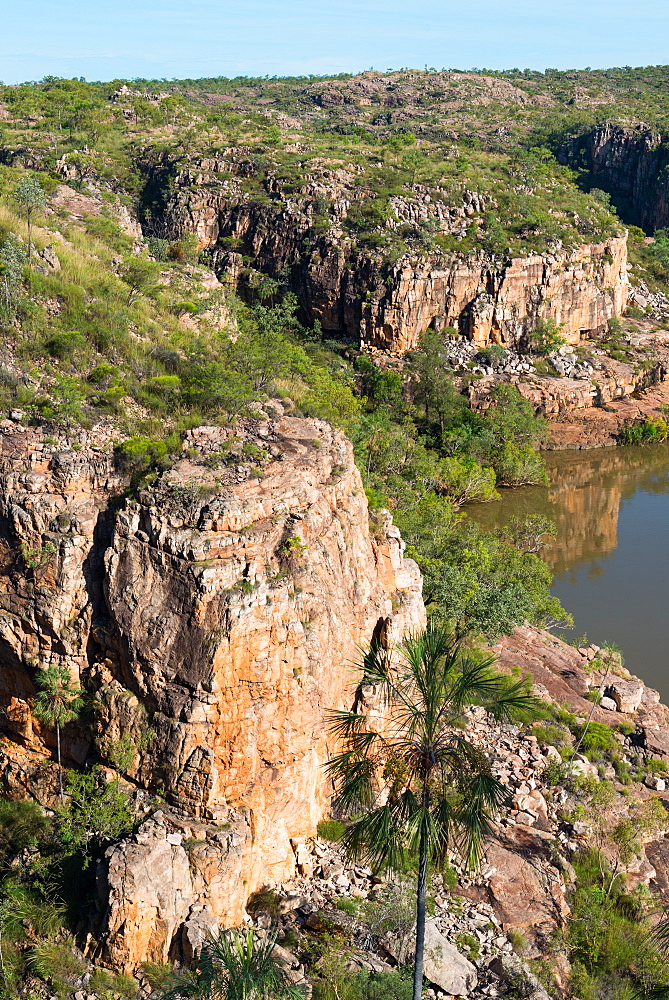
[
  {"x": 185, "y": 984},
  {"x": 423, "y": 828},
  {"x": 651, "y": 993},
  {"x": 239, "y": 965},
  {"x": 513, "y": 702},
  {"x": 379, "y": 837},
  {"x": 474, "y": 682},
  {"x": 445, "y": 821},
  {"x": 375, "y": 664},
  {"x": 356, "y": 789},
  {"x": 344, "y": 725},
  {"x": 660, "y": 934},
  {"x": 482, "y": 798},
  {"x": 357, "y": 747}
]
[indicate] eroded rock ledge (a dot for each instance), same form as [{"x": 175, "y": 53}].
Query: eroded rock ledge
[{"x": 354, "y": 291}]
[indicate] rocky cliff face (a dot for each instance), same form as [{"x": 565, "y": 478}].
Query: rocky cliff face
[
  {"x": 351, "y": 290},
  {"x": 215, "y": 619},
  {"x": 630, "y": 163}
]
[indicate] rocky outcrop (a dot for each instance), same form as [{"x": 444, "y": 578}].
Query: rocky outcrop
[
  {"x": 495, "y": 302},
  {"x": 214, "y": 620},
  {"x": 631, "y": 164},
  {"x": 54, "y": 499},
  {"x": 353, "y": 291}
]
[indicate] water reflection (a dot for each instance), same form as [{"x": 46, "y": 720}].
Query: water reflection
[
  {"x": 611, "y": 554},
  {"x": 584, "y": 499}
]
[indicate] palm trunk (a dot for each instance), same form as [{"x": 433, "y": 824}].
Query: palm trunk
[
  {"x": 420, "y": 916},
  {"x": 60, "y": 768}
]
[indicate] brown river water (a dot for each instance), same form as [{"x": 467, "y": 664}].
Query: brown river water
[{"x": 611, "y": 554}]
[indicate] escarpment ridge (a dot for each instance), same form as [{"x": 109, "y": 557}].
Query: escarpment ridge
[{"x": 357, "y": 292}]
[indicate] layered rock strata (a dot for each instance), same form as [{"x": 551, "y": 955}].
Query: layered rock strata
[
  {"x": 215, "y": 619},
  {"x": 631, "y": 164},
  {"x": 353, "y": 291}
]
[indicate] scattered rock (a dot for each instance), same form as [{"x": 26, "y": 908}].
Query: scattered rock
[
  {"x": 626, "y": 694},
  {"x": 445, "y": 966}
]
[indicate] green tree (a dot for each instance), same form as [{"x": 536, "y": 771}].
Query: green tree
[
  {"x": 423, "y": 788},
  {"x": 546, "y": 337},
  {"x": 141, "y": 275},
  {"x": 57, "y": 702},
  {"x": 433, "y": 387},
  {"x": 477, "y": 583},
  {"x": 234, "y": 965},
  {"x": 97, "y": 811},
  {"x": 208, "y": 384},
  {"x": 13, "y": 259},
  {"x": 512, "y": 419},
  {"x": 29, "y": 197}
]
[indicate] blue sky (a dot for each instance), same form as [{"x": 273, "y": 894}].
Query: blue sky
[{"x": 192, "y": 38}]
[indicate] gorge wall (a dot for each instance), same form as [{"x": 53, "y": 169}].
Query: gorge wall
[
  {"x": 214, "y": 620},
  {"x": 631, "y": 164},
  {"x": 353, "y": 291}
]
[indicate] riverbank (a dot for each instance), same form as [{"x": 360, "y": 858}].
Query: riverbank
[
  {"x": 610, "y": 551},
  {"x": 600, "y": 426}
]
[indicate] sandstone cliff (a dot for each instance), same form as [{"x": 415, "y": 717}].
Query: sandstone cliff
[
  {"x": 631, "y": 164},
  {"x": 214, "y": 620},
  {"x": 353, "y": 291}
]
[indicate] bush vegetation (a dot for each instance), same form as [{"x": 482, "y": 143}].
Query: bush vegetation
[{"x": 134, "y": 333}]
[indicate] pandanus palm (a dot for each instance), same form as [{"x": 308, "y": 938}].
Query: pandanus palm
[
  {"x": 57, "y": 702},
  {"x": 420, "y": 786},
  {"x": 234, "y": 965}
]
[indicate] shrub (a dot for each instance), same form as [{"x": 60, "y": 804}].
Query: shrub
[
  {"x": 347, "y": 906},
  {"x": 96, "y": 812},
  {"x": 517, "y": 465},
  {"x": 102, "y": 374},
  {"x": 264, "y": 900},
  {"x": 469, "y": 945},
  {"x": 646, "y": 432},
  {"x": 546, "y": 337},
  {"x": 598, "y": 737},
  {"x": 553, "y": 735},
  {"x": 65, "y": 345},
  {"x": 492, "y": 355},
  {"x": 184, "y": 250},
  {"x": 331, "y": 829},
  {"x": 555, "y": 773},
  {"x": 158, "y": 248},
  {"x": 167, "y": 386},
  {"x": 139, "y": 454}
]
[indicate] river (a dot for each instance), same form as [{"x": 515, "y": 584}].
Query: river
[{"x": 611, "y": 554}]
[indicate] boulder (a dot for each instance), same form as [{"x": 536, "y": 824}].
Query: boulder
[
  {"x": 445, "y": 966},
  {"x": 197, "y": 929},
  {"x": 657, "y": 784},
  {"x": 608, "y": 703},
  {"x": 512, "y": 970},
  {"x": 626, "y": 694}
]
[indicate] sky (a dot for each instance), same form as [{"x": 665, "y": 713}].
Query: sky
[{"x": 198, "y": 38}]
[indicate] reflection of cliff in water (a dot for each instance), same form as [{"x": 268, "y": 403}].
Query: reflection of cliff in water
[
  {"x": 586, "y": 494},
  {"x": 584, "y": 499}
]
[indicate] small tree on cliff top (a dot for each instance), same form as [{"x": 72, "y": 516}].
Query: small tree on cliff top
[
  {"x": 56, "y": 703},
  {"x": 423, "y": 788},
  {"x": 30, "y": 198}
]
